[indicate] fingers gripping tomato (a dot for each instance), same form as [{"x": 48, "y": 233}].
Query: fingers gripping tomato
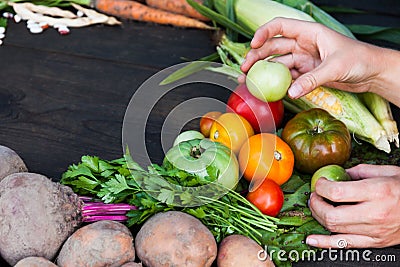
[
  {"x": 263, "y": 116},
  {"x": 264, "y": 156},
  {"x": 268, "y": 198},
  {"x": 317, "y": 139},
  {"x": 232, "y": 130}
]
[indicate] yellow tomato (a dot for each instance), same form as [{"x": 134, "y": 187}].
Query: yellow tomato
[{"x": 232, "y": 130}]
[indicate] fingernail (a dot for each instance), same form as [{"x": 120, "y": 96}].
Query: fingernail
[
  {"x": 309, "y": 199},
  {"x": 295, "y": 90},
  {"x": 311, "y": 242}
]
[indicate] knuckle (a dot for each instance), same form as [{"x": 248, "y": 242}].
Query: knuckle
[
  {"x": 381, "y": 217},
  {"x": 379, "y": 242},
  {"x": 310, "y": 80},
  {"x": 336, "y": 192},
  {"x": 331, "y": 221},
  {"x": 384, "y": 190}
]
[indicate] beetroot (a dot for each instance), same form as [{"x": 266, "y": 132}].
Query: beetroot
[{"x": 36, "y": 216}]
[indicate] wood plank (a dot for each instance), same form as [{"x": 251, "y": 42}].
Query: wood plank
[
  {"x": 54, "y": 111},
  {"x": 145, "y": 45}
]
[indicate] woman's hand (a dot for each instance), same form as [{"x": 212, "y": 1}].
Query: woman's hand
[
  {"x": 317, "y": 55},
  {"x": 374, "y": 219}
]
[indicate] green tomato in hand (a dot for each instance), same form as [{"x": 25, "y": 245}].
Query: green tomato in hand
[
  {"x": 200, "y": 156},
  {"x": 268, "y": 81},
  {"x": 331, "y": 172}
]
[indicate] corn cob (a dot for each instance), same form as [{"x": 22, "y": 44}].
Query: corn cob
[
  {"x": 251, "y": 14},
  {"x": 375, "y": 104}
]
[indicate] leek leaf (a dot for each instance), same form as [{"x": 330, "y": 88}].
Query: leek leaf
[
  {"x": 220, "y": 19},
  {"x": 377, "y": 32}
]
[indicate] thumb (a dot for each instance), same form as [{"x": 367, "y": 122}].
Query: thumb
[{"x": 311, "y": 80}]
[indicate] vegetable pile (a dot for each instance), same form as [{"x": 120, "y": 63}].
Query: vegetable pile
[{"x": 367, "y": 115}]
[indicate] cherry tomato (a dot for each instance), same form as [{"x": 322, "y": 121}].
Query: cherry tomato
[
  {"x": 266, "y": 155},
  {"x": 263, "y": 117},
  {"x": 268, "y": 198},
  {"x": 207, "y": 120},
  {"x": 232, "y": 130}
]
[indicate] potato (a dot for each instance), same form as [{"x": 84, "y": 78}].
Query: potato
[
  {"x": 35, "y": 262},
  {"x": 36, "y": 216},
  {"x": 176, "y": 239},
  {"x": 239, "y": 251},
  {"x": 10, "y": 162},
  {"x": 102, "y": 243}
]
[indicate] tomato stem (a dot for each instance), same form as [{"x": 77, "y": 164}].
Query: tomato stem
[
  {"x": 317, "y": 129},
  {"x": 216, "y": 135},
  {"x": 195, "y": 152},
  {"x": 277, "y": 155}
]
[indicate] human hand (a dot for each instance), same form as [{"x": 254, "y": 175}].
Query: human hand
[
  {"x": 316, "y": 55},
  {"x": 374, "y": 221}
]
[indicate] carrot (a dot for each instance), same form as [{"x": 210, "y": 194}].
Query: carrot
[
  {"x": 179, "y": 7},
  {"x": 129, "y": 9}
]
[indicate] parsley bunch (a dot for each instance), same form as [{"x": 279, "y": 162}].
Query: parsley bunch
[{"x": 151, "y": 191}]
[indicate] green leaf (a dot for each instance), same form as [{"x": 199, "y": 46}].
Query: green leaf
[
  {"x": 198, "y": 212},
  {"x": 342, "y": 9},
  {"x": 116, "y": 185},
  {"x": 297, "y": 199},
  {"x": 91, "y": 162},
  {"x": 312, "y": 227},
  {"x": 389, "y": 34},
  {"x": 186, "y": 197},
  {"x": 134, "y": 217},
  {"x": 105, "y": 166},
  {"x": 295, "y": 217},
  {"x": 76, "y": 171},
  {"x": 188, "y": 70},
  {"x": 166, "y": 196},
  {"x": 230, "y": 11},
  {"x": 3, "y": 21},
  {"x": 85, "y": 183},
  {"x": 220, "y": 19},
  {"x": 318, "y": 15},
  {"x": 294, "y": 183}
]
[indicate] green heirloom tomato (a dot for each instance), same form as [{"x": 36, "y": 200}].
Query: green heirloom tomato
[
  {"x": 331, "y": 172},
  {"x": 200, "y": 156},
  {"x": 188, "y": 135},
  {"x": 317, "y": 139}
]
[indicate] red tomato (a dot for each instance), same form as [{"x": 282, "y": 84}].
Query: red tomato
[
  {"x": 263, "y": 117},
  {"x": 268, "y": 197},
  {"x": 207, "y": 120}
]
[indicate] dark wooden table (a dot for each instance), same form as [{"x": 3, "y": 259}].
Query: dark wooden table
[{"x": 62, "y": 97}]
